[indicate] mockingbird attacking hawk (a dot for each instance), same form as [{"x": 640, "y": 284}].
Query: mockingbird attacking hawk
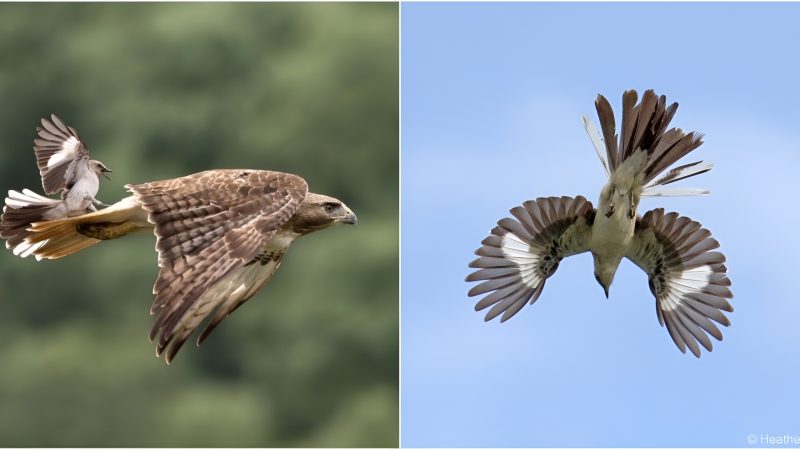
[
  {"x": 686, "y": 276},
  {"x": 65, "y": 167},
  {"x": 220, "y": 236}
]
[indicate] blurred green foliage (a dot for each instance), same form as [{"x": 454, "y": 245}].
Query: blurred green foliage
[{"x": 163, "y": 90}]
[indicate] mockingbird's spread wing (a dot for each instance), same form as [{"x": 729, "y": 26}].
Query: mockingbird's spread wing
[
  {"x": 208, "y": 226},
  {"x": 56, "y": 148},
  {"x": 520, "y": 254},
  {"x": 687, "y": 278}
]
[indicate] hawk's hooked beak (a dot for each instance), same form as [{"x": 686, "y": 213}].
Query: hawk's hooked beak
[{"x": 350, "y": 218}]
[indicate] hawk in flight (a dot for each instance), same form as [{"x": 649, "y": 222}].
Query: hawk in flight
[
  {"x": 65, "y": 167},
  {"x": 220, "y": 236},
  {"x": 687, "y": 277}
]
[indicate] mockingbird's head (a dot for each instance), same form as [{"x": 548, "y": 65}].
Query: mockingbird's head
[
  {"x": 319, "y": 212},
  {"x": 604, "y": 270},
  {"x": 99, "y": 168}
]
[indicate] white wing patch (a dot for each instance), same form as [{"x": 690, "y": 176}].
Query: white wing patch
[
  {"x": 514, "y": 249},
  {"x": 520, "y": 254},
  {"x": 69, "y": 150},
  {"x": 685, "y": 283},
  {"x": 687, "y": 277}
]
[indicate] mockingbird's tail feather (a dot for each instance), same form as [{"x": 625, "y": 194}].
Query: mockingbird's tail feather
[
  {"x": 22, "y": 209},
  {"x": 644, "y": 126}
]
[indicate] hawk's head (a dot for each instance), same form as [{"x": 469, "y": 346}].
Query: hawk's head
[{"x": 319, "y": 212}]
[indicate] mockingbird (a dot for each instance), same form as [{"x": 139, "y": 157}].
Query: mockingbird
[
  {"x": 65, "y": 167},
  {"x": 220, "y": 236},
  {"x": 687, "y": 278}
]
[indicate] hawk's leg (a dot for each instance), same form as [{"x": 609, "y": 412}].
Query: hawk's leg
[{"x": 105, "y": 230}]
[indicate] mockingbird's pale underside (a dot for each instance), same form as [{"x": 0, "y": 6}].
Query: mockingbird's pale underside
[{"x": 687, "y": 277}]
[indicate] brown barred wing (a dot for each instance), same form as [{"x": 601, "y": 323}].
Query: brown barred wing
[
  {"x": 208, "y": 225},
  {"x": 522, "y": 252}
]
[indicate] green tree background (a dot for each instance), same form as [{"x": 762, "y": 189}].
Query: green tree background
[{"x": 163, "y": 90}]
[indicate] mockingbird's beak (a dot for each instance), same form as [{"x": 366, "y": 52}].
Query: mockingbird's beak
[
  {"x": 106, "y": 171},
  {"x": 605, "y": 289}
]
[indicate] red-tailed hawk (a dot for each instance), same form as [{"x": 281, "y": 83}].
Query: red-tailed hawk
[
  {"x": 686, "y": 276},
  {"x": 220, "y": 236},
  {"x": 65, "y": 167}
]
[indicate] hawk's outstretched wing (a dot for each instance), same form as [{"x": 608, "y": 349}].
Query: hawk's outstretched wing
[
  {"x": 686, "y": 277},
  {"x": 519, "y": 255},
  {"x": 208, "y": 225},
  {"x": 57, "y": 147}
]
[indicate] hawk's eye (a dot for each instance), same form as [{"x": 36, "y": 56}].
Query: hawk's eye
[{"x": 329, "y": 207}]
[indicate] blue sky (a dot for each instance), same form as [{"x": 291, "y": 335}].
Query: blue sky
[{"x": 492, "y": 99}]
